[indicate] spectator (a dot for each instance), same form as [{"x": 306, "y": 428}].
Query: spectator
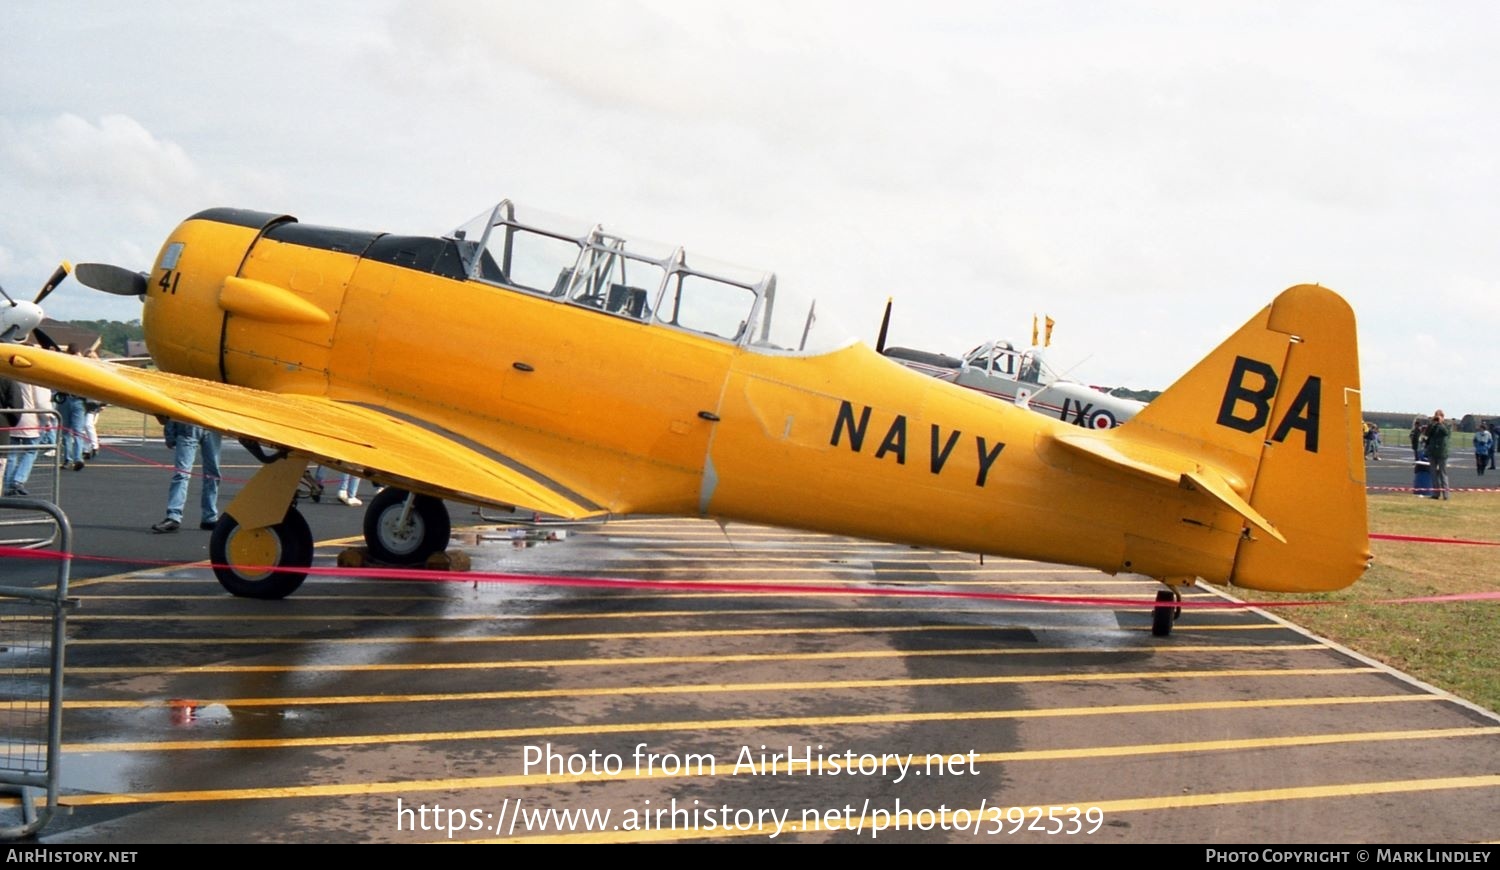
[
  {"x": 186, "y": 440},
  {"x": 91, "y": 409},
  {"x": 10, "y": 401},
  {"x": 1418, "y": 430},
  {"x": 348, "y": 491},
  {"x": 74, "y": 423},
  {"x": 1437, "y": 453},
  {"x": 1484, "y": 447},
  {"x": 26, "y": 430}
]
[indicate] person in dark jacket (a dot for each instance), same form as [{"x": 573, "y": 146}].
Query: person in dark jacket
[{"x": 1437, "y": 454}]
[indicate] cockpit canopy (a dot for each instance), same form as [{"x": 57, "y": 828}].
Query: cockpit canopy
[
  {"x": 584, "y": 265},
  {"x": 1002, "y": 358}
]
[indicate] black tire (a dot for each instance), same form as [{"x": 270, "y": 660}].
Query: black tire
[
  {"x": 288, "y": 546},
  {"x": 426, "y": 533},
  {"x": 1162, "y": 617}
]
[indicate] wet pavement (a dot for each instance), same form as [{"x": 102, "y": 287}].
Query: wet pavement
[{"x": 721, "y": 685}]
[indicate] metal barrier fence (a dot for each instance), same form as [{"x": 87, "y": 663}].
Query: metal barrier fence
[
  {"x": 32, "y": 642},
  {"x": 42, "y": 462}
]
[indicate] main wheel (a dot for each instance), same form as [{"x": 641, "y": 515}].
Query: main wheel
[
  {"x": 266, "y": 563},
  {"x": 1165, "y": 612},
  {"x": 424, "y": 533}
]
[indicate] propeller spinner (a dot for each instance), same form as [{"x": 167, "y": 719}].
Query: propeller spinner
[{"x": 20, "y": 319}]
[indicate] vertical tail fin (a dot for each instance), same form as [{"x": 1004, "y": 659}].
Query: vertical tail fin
[{"x": 1275, "y": 411}]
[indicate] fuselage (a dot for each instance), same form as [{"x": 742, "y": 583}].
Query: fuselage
[{"x": 638, "y": 416}]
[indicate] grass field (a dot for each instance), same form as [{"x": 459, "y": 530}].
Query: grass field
[
  {"x": 121, "y": 422},
  {"x": 1455, "y": 646},
  {"x": 1452, "y": 645}
]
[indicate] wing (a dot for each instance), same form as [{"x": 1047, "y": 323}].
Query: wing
[{"x": 344, "y": 435}]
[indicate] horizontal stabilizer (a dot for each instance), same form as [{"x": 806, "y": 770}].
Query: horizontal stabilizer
[{"x": 1165, "y": 467}]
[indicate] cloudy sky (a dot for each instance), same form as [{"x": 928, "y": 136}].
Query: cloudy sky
[{"x": 1150, "y": 174}]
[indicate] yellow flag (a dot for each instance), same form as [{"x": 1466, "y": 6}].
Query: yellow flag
[
  {"x": 1033, "y": 330},
  {"x": 1047, "y": 341}
]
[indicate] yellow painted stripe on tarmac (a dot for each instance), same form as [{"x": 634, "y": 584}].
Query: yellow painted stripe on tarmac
[
  {"x": 669, "y": 635},
  {"x": 597, "y": 728},
  {"x": 830, "y": 569},
  {"x": 176, "y": 595},
  {"x": 728, "y": 595},
  {"x": 606, "y": 571},
  {"x": 129, "y": 576},
  {"x": 84, "y": 704},
  {"x": 1256, "y": 626},
  {"x": 512, "y": 617},
  {"x": 731, "y": 688},
  {"x": 708, "y": 528},
  {"x": 521, "y": 780},
  {"x": 868, "y": 823},
  {"x": 717, "y": 553}
]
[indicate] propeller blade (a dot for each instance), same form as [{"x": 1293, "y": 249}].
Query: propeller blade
[
  {"x": 885, "y": 324},
  {"x": 111, "y": 279},
  {"x": 57, "y": 278},
  {"x": 45, "y": 340}
]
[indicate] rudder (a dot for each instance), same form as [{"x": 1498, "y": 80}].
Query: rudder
[{"x": 1275, "y": 410}]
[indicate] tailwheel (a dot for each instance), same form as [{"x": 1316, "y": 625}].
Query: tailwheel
[
  {"x": 1166, "y": 611},
  {"x": 403, "y": 528},
  {"x": 268, "y": 562}
]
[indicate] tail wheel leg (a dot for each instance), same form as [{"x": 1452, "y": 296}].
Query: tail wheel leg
[{"x": 1167, "y": 609}]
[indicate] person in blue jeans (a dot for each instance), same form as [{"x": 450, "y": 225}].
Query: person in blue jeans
[
  {"x": 190, "y": 443},
  {"x": 348, "y": 488},
  {"x": 26, "y": 431},
  {"x": 74, "y": 421}
]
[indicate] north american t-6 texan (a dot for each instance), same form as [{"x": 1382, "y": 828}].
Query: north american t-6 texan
[{"x": 527, "y": 361}]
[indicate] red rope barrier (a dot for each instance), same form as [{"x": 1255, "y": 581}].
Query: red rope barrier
[
  {"x": 1430, "y": 489},
  {"x": 477, "y": 577},
  {"x": 758, "y": 588},
  {"x": 1420, "y": 539}
]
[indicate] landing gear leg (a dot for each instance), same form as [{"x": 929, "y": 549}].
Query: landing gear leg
[
  {"x": 262, "y": 546},
  {"x": 403, "y": 528},
  {"x": 1167, "y": 609}
]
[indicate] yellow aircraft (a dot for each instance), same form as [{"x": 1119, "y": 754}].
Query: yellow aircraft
[{"x": 527, "y": 361}]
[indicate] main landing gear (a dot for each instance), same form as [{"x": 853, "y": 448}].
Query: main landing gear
[
  {"x": 265, "y": 562},
  {"x": 403, "y": 528},
  {"x": 262, "y": 546}
]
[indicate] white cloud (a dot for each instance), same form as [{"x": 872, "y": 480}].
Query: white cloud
[
  {"x": 82, "y": 190},
  {"x": 1145, "y": 172}
]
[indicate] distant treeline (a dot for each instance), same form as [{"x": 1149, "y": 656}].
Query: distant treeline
[
  {"x": 1383, "y": 419},
  {"x": 1138, "y": 395},
  {"x": 113, "y": 334},
  {"x": 1393, "y": 420}
]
